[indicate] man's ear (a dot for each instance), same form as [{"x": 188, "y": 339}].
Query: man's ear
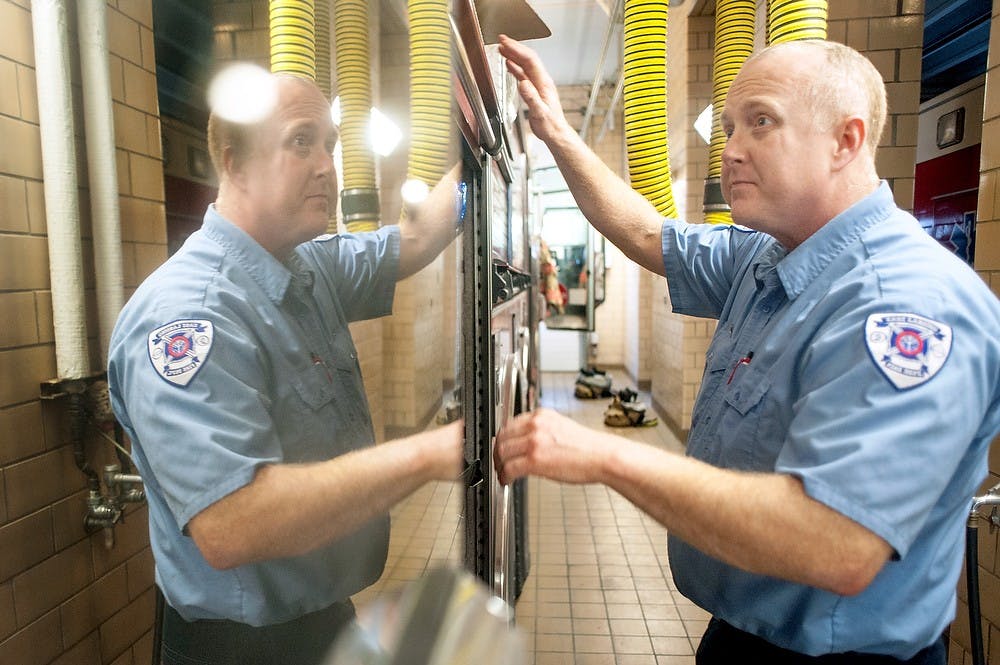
[
  {"x": 233, "y": 166},
  {"x": 850, "y": 141}
]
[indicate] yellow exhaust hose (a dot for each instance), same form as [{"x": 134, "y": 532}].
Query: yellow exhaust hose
[
  {"x": 734, "y": 32},
  {"x": 789, "y": 20},
  {"x": 430, "y": 90},
  {"x": 322, "y": 29},
  {"x": 359, "y": 203},
  {"x": 293, "y": 40},
  {"x": 646, "y": 102}
]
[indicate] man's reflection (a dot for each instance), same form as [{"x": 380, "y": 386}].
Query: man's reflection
[{"x": 234, "y": 374}]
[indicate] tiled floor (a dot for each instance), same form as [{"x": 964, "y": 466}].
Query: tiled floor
[{"x": 599, "y": 591}]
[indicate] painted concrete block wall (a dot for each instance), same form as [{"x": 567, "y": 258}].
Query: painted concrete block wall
[{"x": 64, "y": 597}]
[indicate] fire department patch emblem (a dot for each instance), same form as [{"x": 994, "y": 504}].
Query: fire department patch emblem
[
  {"x": 907, "y": 348},
  {"x": 178, "y": 349}
]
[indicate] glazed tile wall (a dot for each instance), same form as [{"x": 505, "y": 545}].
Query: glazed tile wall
[
  {"x": 988, "y": 266},
  {"x": 64, "y": 597}
]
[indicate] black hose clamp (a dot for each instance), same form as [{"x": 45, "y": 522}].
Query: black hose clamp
[
  {"x": 714, "y": 201},
  {"x": 360, "y": 203}
]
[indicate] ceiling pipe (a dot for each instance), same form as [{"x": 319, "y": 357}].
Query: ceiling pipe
[
  {"x": 595, "y": 87},
  {"x": 609, "y": 117},
  {"x": 55, "y": 104},
  {"x": 101, "y": 165}
]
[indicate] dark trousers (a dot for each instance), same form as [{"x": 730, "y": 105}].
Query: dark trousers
[
  {"x": 302, "y": 641},
  {"x": 724, "y": 645}
]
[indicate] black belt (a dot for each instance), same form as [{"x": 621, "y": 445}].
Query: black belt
[
  {"x": 302, "y": 641},
  {"x": 723, "y": 644}
]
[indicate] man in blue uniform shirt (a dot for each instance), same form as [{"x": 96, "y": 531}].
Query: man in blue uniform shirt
[
  {"x": 234, "y": 374},
  {"x": 819, "y": 513}
]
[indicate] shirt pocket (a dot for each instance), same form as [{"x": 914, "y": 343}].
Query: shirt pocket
[
  {"x": 305, "y": 423},
  {"x": 314, "y": 385},
  {"x": 745, "y": 405}
]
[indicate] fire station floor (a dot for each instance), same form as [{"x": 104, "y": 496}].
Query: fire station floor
[{"x": 599, "y": 591}]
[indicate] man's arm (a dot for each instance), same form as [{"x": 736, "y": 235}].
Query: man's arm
[
  {"x": 429, "y": 226},
  {"x": 763, "y": 523},
  {"x": 291, "y": 509},
  {"x": 617, "y": 211}
]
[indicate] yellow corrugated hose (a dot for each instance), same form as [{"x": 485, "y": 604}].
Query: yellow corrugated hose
[
  {"x": 293, "y": 38},
  {"x": 430, "y": 90},
  {"x": 322, "y": 28},
  {"x": 789, "y": 20},
  {"x": 734, "y": 31},
  {"x": 646, "y": 102},
  {"x": 359, "y": 199}
]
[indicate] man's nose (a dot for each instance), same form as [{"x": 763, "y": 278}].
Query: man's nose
[
  {"x": 731, "y": 151},
  {"x": 325, "y": 166}
]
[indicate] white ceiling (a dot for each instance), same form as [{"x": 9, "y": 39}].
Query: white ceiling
[{"x": 573, "y": 51}]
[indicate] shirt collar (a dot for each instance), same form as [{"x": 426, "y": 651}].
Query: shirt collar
[
  {"x": 273, "y": 276},
  {"x": 801, "y": 266}
]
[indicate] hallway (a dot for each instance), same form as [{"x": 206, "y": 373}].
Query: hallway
[{"x": 599, "y": 591}]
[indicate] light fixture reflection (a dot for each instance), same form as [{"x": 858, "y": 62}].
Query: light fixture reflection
[
  {"x": 243, "y": 93},
  {"x": 383, "y": 133},
  {"x": 703, "y": 124},
  {"x": 414, "y": 191}
]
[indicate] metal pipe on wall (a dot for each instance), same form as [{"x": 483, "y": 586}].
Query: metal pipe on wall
[
  {"x": 55, "y": 104},
  {"x": 101, "y": 165}
]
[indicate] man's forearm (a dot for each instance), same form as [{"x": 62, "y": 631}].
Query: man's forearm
[
  {"x": 291, "y": 509},
  {"x": 429, "y": 226},
  {"x": 760, "y": 522},
  {"x": 617, "y": 211}
]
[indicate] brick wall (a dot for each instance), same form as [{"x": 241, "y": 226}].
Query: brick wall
[
  {"x": 890, "y": 34},
  {"x": 988, "y": 266},
  {"x": 64, "y": 597},
  {"x": 678, "y": 342},
  {"x": 416, "y": 362}
]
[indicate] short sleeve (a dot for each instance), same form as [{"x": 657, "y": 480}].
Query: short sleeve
[
  {"x": 879, "y": 454},
  {"x": 206, "y": 439},
  {"x": 702, "y": 262},
  {"x": 361, "y": 269}
]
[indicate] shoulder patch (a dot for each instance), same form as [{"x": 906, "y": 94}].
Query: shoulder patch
[
  {"x": 908, "y": 349},
  {"x": 178, "y": 349}
]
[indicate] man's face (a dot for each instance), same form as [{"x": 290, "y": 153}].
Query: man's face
[
  {"x": 775, "y": 165},
  {"x": 290, "y": 179}
]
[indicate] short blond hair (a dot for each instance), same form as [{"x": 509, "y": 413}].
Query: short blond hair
[
  {"x": 848, "y": 85},
  {"x": 239, "y": 137}
]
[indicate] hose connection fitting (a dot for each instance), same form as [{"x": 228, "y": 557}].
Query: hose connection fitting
[
  {"x": 714, "y": 201},
  {"x": 360, "y": 204},
  {"x": 991, "y": 498}
]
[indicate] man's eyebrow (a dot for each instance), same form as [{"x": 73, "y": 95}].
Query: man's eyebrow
[{"x": 299, "y": 125}]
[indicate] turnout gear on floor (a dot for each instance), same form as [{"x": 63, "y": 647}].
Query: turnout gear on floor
[
  {"x": 592, "y": 383},
  {"x": 626, "y": 410}
]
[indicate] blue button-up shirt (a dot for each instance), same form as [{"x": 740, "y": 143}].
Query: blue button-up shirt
[
  {"x": 257, "y": 367},
  {"x": 797, "y": 382}
]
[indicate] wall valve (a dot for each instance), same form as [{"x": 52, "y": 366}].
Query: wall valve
[
  {"x": 123, "y": 487},
  {"x": 101, "y": 513}
]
